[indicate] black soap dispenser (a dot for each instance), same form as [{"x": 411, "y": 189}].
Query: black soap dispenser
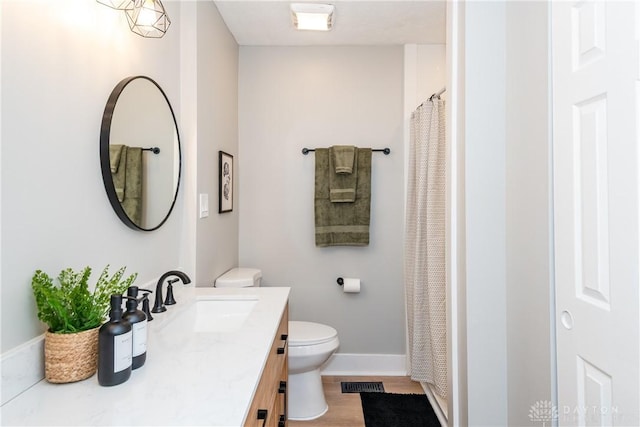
[
  {"x": 138, "y": 321},
  {"x": 114, "y": 347}
]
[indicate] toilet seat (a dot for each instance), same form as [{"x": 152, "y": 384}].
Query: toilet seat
[{"x": 309, "y": 333}]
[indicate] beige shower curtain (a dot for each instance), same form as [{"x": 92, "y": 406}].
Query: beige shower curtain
[{"x": 425, "y": 274}]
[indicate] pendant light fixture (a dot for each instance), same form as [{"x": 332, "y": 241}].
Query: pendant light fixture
[
  {"x": 148, "y": 18},
  {"x": 117, "y": 4}
]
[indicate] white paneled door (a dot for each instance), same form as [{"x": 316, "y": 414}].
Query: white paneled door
[{"x": 596, "y": 115}]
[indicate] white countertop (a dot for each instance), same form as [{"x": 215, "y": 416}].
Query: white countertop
[{"x": 189, "y": 378}]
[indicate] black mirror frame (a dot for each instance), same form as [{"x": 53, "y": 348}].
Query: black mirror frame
[{"x": 105, "y": 134}]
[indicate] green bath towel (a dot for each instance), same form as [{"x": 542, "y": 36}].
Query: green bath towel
[
  {"x": 342, "y": 185},
  {"x": 342, "y": 224}
]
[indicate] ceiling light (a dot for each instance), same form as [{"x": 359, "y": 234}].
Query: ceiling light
[
  {"x": 310, "y": 16},
  {"x": 148, "y": 18}
]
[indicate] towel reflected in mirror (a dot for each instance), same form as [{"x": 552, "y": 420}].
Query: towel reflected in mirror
[{"x": 126, "y": 171}]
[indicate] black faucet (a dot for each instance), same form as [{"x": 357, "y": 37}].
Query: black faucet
[{"x": 158, "y": 306}]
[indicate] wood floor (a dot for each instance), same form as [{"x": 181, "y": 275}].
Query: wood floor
[{"x": 345, "y": 409}]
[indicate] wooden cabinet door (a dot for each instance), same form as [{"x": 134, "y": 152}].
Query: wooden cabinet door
[{"x": 269, "y": 405}]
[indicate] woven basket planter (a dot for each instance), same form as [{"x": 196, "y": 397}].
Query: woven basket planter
[{"x": 70, "y": 357}]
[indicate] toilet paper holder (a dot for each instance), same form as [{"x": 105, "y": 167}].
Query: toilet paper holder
[{"x": 350, "y": 286}]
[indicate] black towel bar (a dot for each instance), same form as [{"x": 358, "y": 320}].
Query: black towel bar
[
  {"x": 155, "y": 150},
  {"x": 386, "y": 151}
]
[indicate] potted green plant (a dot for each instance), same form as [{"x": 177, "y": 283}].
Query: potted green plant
[{"x": 74, "y": 314}]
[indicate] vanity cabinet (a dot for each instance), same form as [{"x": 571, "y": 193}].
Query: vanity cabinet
[
  {"x": 269, "y": 405},
  {"x": 224, "y": 373}
]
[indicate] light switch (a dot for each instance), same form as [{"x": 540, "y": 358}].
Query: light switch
[{"x": 204, "y": 205}]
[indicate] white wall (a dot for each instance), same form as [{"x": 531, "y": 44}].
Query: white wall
[
  {"x": 217, "y": 241},
  {"x": 431, "y": 66},
  {"x": 295, "y": 97},
  {"x": 528, "y": 198},
  {"x": 504, "y": 156},
  {"x": 60, "y": 61},
  {"x": 457, "y": 401},
  {"x": 424, "y": 75},
  {"x": 485, "y": 213}
]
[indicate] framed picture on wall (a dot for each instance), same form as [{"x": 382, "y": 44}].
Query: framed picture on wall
[{"x": 225, "y": 193}]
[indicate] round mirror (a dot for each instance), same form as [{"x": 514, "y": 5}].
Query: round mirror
[{"x": 140, "y": 153}]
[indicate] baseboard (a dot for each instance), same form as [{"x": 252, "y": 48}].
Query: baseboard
[
  {"x": 393, "y": 365},
  {"x": 21, "y": 368},
  {"x": 436, "y": 403}
]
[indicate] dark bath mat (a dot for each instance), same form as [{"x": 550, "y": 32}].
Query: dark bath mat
[
  {"x": 397, "y": 410},
  {"x": 357, "y": 387}
]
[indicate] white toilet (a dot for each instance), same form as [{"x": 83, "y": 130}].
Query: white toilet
[{"x": 310, "y": 346}]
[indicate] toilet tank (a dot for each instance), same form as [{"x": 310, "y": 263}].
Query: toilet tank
[{"x": 239, "y": 278}]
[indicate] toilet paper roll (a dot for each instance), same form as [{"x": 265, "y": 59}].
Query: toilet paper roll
[{"x": 351, "y": 285}]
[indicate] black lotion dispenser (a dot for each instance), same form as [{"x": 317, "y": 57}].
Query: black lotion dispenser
[
  {"x": 138, "y": 321},
  {"x": 115, "y": 347}
]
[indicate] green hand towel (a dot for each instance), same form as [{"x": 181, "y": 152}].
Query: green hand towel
[
  {"x": 120, "y": 175},
  {"x": 132, "y": 203},
  {"x": 342, "y": 224},
  {"x": 342, "y": 186},
  {"x": 115, "y": 153},
  {"x": 343, "y": 158}
]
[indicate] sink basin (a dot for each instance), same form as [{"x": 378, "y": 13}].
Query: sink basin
[{"x": 219, "y": 314}]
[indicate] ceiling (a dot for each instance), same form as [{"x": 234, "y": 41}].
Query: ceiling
[{"x": 356, "y": 22}]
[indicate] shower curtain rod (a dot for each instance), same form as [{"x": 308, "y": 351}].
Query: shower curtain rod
[
  {"x": 438, "y": 93},
  {"x": 435, "y": 95},
  {"x": 386, "y": 151}
]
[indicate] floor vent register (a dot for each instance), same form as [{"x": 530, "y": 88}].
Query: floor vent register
[{"x": 357, "y": 387}]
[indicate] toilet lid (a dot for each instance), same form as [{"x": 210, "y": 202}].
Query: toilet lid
[{"x": 309, "y": 333}]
